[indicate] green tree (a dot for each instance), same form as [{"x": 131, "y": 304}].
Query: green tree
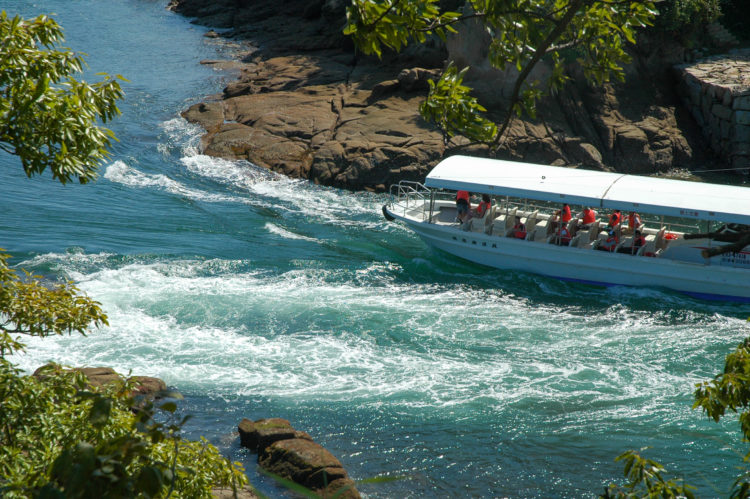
[
  {"x": 521, "y": 34},
  {"x": 59, "y": 437},
  {"x": 47, "y": 117}
]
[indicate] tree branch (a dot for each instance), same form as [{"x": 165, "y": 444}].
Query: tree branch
[
  {"x": 540, "y": 51},
  {"x": 387, "y": 11}
]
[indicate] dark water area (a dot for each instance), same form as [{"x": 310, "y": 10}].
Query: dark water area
[{"x": 260, "y": 296}]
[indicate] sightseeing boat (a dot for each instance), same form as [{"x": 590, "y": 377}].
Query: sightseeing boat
[{"x": 692, "y": 239}]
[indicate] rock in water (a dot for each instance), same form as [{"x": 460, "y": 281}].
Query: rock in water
[{"x": 293, "y": 455}]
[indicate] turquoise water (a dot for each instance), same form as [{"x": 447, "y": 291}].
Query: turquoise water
[{"x": 259, "y": 296}]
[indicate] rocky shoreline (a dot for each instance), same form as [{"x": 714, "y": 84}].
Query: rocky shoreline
[{"x": 308, "y": 106}]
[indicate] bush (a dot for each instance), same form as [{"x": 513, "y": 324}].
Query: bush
[{"x": 686, "y": 16}]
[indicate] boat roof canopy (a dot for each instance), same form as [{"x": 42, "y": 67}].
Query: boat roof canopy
[{"x": 603, "y": 190}]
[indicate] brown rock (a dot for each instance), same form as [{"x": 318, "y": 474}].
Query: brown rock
[
  {"x": 416, "y": 79},
  {"x": 237, "y": 88},
  {"x": 99, "y": 376},
  {"x": 209, "y": 115},
  {"x": 147, "y": 385},
  {"x": 257, "y": 435},
  {"x": 307, "y": 463}
]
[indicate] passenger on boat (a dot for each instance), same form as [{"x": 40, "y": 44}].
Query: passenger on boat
[
  {"x": 563, "y": 237},
  {"x": 587, "y": 217},
  {"x": 638, "y": 242},
  {"x": 519, "y": 230},
  {"x": 611, "y": 242},
  {"x": 615, "y": 218},
  {"x": 560, "y": 215},
  {"x": 484, "y": 205},
  {"x": 566, "y": 216},
  {"x": 463, "y": 206},
  {"x": 634, "y": 221}
]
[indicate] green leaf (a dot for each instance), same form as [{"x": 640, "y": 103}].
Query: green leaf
[{"x": 100, "y": 411}]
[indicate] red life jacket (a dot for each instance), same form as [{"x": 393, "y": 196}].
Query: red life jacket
[
  {"x": 639, "y": 241},
  {"x": 564, "y": 235},
  {"x": 610, "y": 243},
  {"x": 519, "y": 231},
  {"x": 465, "y": 196},
  {"x": 482, "y": 208},
  {"x": 589, "y": 217},
  {"x": 566, "y": 216},
  {"x": 615, "y": 218},
  {"x": 634, "y": 221}
]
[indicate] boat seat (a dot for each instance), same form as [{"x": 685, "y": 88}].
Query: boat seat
[
  {"x": 478, "y": 223},
  {"x": 584, "y": 242},
  {"x": 531, "y": 223},
  {"x": 659, "y": 242},
  {"x": 648, "y": 249},
  {"x": 510, "y": 220},
  {"x": 498, "y": 226},
  {"x": 489, "y": 221},
  {"x": 593, "y": 232},
  {"x": 540, "y": 233},
  {"x": 626, "y": 242}
]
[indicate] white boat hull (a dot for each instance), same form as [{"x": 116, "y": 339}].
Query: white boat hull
[{"x": 589, "y": 266}]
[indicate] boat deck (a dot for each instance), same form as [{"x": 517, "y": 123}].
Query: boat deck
[{"x": 541, "y": 228}]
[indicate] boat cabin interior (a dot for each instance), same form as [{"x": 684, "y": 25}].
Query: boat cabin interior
[
  {"x": 663, "y": 237},
  {"x": 543, "y": 226}
]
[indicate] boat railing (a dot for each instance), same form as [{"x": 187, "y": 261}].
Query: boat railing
[{"x": 408, "y": 198}]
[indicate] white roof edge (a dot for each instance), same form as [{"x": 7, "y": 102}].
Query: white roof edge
[{"x": 658, "y": 196}]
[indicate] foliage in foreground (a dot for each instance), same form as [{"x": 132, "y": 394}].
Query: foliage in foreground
[
  {"x": 728, "y": 391},
  {"x": 47, "y": 117},
  {"x": 61, "y": 438},
  {"x": 58, "y": 436},
  {"x": 520, "y": 35}
]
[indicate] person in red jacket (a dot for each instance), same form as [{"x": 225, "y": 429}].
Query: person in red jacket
[
  {"x": 587, "y": 217},
  {"x": 615, "y": 218},
  {"x": 611, "y": 242},
  {"x": 560, "y": 216},
  {"x": 484, "y": 205},
  {"x": 463, "y": 206},
  {"x": 519, "y": 230},
  {"x": 563, "y": 237},
  {"x": 638, "y": 242},
  {"x": 566, "y": 216}
]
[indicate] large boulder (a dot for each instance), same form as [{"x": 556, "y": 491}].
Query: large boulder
[
  {"x": 99, "y": 377},
  {"x": 293, "y": 455},
  {"x": 309, "y": 464},
  {"x": 257, "y": 435}
]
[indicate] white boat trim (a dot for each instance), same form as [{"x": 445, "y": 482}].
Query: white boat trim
[{"x": 678, "y": 267}]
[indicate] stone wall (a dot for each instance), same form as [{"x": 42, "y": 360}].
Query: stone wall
[{"x": 716, "y": 90}]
